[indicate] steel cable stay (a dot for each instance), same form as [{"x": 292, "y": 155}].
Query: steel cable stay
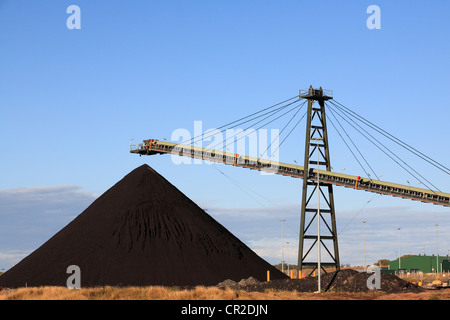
[
  {"x": 292, "y": 118},
  {"x": 249, "y": 127},
  {"x": 343, "y": 129},
  {"x": 378, "y": 146},
  {"x": 279, "y": 146},
  {"x": 345, "y": 142},
  {"x": 393, "y": 138},
  {"x": 271, "y": 113},
  {"x": 192, "y": 140},
  {"x": 344, "y": 115},
  {"x": 267, "y": 114},
  {"x": 356, "y": 158},
  {"x": 396, "y": 140},
  {"x": 401, "y": 160}
]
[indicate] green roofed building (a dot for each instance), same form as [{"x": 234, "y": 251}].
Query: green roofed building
[{"x": 426, "y": 264}]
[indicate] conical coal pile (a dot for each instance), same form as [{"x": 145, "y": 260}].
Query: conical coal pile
[{"x": 142, "y": 231}]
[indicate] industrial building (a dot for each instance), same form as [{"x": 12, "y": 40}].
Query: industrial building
[{"x": 423, "y": 263}]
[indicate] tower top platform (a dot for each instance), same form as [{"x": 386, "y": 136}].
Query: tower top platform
[{"x": 316, "y": 94}]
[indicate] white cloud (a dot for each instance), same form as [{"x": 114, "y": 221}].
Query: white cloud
[
  {"x": 30, "y": 216},
  {"x": 11, "y": 257}
]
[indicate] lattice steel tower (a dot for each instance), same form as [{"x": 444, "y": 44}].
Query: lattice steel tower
[{"x": 317, "y": 158}]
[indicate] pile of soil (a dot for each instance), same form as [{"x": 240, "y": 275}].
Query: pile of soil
[
  {"x": 143, "y": 231},
  {"x": 346, "y": 280}
]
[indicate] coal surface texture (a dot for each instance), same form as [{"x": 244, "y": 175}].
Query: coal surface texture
[{"x": 142, "y": 231}]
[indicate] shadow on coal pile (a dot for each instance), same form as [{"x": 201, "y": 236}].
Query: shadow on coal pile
[{"x": 347, "y": 280}]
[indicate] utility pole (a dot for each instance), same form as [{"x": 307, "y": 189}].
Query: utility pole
[
  {"x": 364, "y": 240},
  {"x": 319, "y": 267},
  {"x": 437, "y": 249},
  {"x": 287, "y": 258},
  {"x": 399, "y": 260},
  {"x": 282, "y": 246}
]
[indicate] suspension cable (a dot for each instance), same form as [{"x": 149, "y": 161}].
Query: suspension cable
[
  {"x": 387, "y": 150},
  {"x": 267, "y": 123},
  {"x": 362, "y": 167},
  {"x": 243, "y": 118},
  {"x": 292, "y": 118},
  {"x": 394, "y": 139},
  {"x": 272, "y": 153},
  {"x": 269, "y": 113}
]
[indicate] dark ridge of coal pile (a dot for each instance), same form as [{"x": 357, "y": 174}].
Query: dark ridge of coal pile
[
  {"x": 142, "y": 231},
  {"x": 346, "y": 280}
]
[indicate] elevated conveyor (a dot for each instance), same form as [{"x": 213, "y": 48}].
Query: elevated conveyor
[{"x": 153, "y": 147}]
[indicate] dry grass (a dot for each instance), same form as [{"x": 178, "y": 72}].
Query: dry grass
[
  {"x": 114, "y": 293},
  {"x": 201, "y": 293}
]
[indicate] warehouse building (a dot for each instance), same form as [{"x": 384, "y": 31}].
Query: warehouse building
[{"x": 425, "y": 264}]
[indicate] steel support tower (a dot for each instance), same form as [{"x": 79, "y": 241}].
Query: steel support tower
[{"x": 317, "y": 196}]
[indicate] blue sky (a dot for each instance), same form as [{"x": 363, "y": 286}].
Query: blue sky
[{"x": 71, "y": 100}]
